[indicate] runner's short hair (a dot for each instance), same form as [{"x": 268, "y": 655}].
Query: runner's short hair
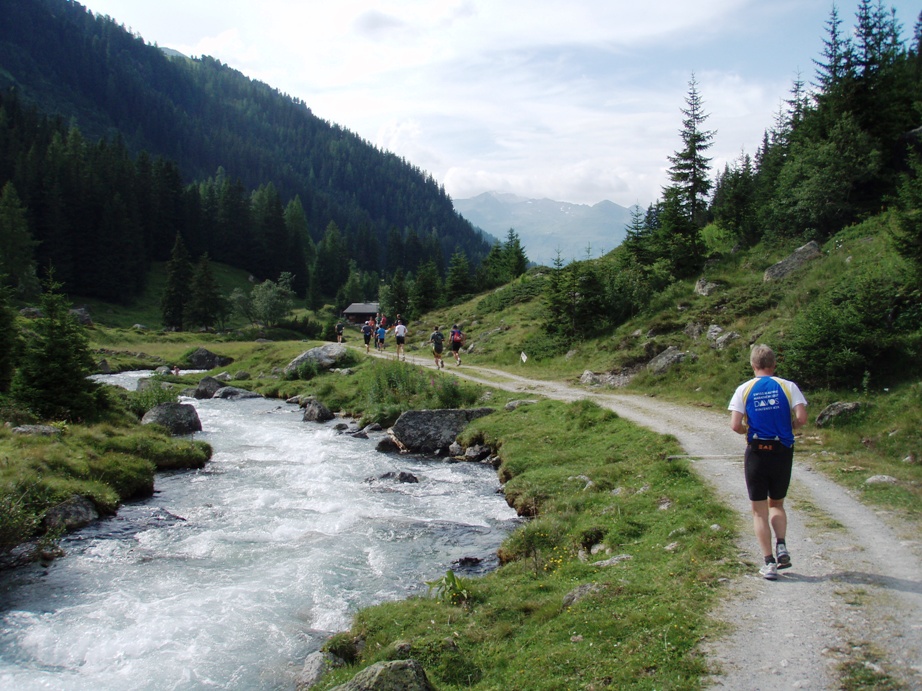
[{"x": 762, "y": 357}]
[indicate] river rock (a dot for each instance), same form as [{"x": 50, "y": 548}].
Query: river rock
[
  {"x": 324, "y": 357},
  {"x": 73, "y": 514},
  {"x": 234, "y": 394},
  {"x": 316, "y": 665},
  {"x": 837, "y": 412},
  {"x": 427, "y": 431},
  {"x": 387, "y": 445},
  {"x": 793, "y": 262},
  {"x": 401, "y": 476},
  {"x": 178, "y": 418},
  {"x": 396, "y": 675},
  {"x": 315, "y": 411},
  {"x": 202, "y": 358},
  {"x": 207, "y": 388}
]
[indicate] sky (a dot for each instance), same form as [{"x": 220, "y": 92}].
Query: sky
[{"x": 576, "y": 101}]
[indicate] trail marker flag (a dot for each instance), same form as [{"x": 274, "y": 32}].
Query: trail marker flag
[{"x": 524, "y": 357}]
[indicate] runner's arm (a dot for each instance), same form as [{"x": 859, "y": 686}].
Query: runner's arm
[{"x": 736, "y": 422}]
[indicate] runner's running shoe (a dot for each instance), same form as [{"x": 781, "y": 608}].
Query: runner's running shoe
[
  {"x": 783, "y": 557},
  {"x": 769, "y": 572}
]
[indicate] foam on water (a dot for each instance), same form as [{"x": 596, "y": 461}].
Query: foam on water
[{"x": 224, "y": 578}]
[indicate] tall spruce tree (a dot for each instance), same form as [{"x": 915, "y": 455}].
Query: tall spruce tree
[
  {"x": 206, "y": 307},
  {"x": 51, "y": 378},
  {"x": 690, "y": 171},
  {"x": 17, "y": 266},
  {"x": 458, "y": 281},
  {"x": 178, "y": 283}
]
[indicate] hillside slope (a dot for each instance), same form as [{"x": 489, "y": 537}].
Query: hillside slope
[{"x": 204, "y": 116}]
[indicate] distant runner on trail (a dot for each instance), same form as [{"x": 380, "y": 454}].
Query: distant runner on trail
[
  {"x": 437, "y": 339},
  {"x": 400, "y": 336},
  {"x": 767, "y": 409},
  {"x": 456, "y": 337}
]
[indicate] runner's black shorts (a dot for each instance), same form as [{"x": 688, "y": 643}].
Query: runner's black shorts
[
  {"x": 367, "y": 338},
  {"x": 456, "y": 346},
  {"x": 400, "y": 339},
  {"x": 768, "y": 466}
]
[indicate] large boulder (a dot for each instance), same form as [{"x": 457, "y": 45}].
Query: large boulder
[
  {"x": 72, "y": 514},
  {"x": 428, "y": 431},
  {"x": 207, "y": 388},
  {"x": 315, "y": 411},
  {"x": 233, "y": 393},
  {"x": 324, "y": 357},
  {"x": 396, "y": 675},
  {"x": 178, "y": 418},
  {"x": 793, "y": 262},
  {"x": 837, "y": 412},
  {"x": 668, "y": 358},
  {"x": 203, "y": 358}
]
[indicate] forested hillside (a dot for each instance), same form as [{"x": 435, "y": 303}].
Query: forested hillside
[
  {"x": 141, "y": 147},
  {"x": 845, "y": 148}
]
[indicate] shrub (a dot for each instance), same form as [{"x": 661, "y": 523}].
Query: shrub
[{"x": 140, "y": 402}]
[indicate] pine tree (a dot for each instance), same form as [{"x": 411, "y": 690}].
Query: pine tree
[
  {"x": 178, "y": 282},
  {"x": 458, "y": 281},
  {"x": 690, "y": 171},
  {"x": 205, "y": 306},
  {"x": 17, "y": 268},
  {"x": 51, "y": 379},
  {"x": 425, "y": 293},
  {"x": 514, "y": 255}
]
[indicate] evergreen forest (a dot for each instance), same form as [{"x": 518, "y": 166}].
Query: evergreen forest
[{"x": 110, "y": 149}]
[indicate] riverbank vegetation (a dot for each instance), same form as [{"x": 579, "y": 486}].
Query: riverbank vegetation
[{"x": 607, "y": 586}]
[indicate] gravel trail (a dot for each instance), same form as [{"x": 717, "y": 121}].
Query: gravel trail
[{"x": 854, "y": 591}]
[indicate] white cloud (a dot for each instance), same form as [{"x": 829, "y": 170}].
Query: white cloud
[{"x": 575, "y": 101}]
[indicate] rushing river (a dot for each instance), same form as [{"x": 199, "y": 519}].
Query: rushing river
[{"x": 229, "y": 576}]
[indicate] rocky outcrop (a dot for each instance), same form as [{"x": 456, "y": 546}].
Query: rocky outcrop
[
  {"x": 720, "y": 339},
  {"x": 837, "y": 412},
  {"x": 178, "y": 418},
  {"x": 705, "y": 287},
  {"x": 793, "y": 262},
  {"x": 669, "y": 358},
  {"x": 203, "y": 358},
  {"x": 38, "y": 430},
  {"x": 429, "y": 431},
  {"x": 315, "y": 411},
  {"x": 396, "y": 675},
  {"x": 323, "y": 357}
]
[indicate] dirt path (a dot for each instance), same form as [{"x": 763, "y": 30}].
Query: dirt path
[{"x": 855, "y": 589}]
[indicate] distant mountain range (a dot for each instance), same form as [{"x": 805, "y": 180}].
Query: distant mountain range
[{"x": 545, "y": 226}]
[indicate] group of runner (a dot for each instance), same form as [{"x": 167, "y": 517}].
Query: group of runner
[{"x": 377, "y": 327}]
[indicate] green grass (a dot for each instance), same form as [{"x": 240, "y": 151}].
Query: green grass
[{"x": 641, "y": 625}]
